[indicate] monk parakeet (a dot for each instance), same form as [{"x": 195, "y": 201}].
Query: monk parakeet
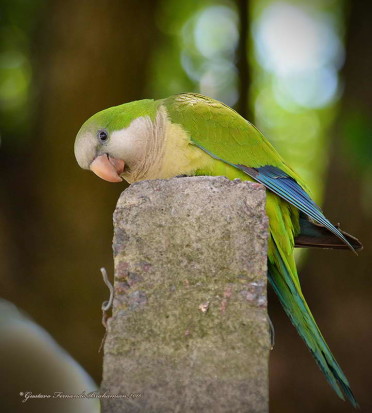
[{"x": 191, "y": 134}]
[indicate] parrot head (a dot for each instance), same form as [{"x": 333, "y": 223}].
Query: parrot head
[{"x": 111, "y": 143}]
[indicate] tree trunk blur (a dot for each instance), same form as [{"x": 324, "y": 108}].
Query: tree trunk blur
[
  {"x": 243, "y": 106},
  {"x": 93, "y": 54},
  {"x": 338, "y": 282}
]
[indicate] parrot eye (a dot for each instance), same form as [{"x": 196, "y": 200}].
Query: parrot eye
[{"x": 102, "y": 136}]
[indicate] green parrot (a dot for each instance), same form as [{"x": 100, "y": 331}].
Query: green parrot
[{"x": 191, "y": 134}]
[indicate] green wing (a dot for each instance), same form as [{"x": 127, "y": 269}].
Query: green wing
[
  {"x": 226, "y": 136},
  {"x": 223, "y": 132}
]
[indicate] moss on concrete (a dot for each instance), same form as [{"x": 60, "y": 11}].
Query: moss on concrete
[{"x": 189, "y": 328}]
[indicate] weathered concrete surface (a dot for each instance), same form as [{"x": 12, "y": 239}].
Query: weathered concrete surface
[{"x": 189, "y": 330}]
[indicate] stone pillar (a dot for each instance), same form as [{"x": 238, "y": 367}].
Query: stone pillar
[{"x": 189, "y": 330}]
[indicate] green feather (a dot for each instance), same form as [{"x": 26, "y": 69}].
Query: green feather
[
  {"x": 290, "y": 295},
  {"x": 222, "y": 131},
  {"x": 118, "y": 117}
]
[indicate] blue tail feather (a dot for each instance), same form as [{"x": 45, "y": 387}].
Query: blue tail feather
[{"x": 287, "y": 188}]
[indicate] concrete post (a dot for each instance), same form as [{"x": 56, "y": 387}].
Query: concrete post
[{"x": 189, "y": 330}]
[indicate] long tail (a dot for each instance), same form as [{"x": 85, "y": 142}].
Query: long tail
[{"x": 294, "y": 304}]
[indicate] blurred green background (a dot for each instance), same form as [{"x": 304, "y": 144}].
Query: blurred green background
[{"x": 301, "y": 71}]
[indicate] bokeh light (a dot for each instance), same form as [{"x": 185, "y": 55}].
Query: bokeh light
[
  {"x": 206, "y": 47},
  {"x": 298, "y": 52}
]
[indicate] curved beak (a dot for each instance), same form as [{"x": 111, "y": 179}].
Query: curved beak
[{"x": 108, "y": 168}]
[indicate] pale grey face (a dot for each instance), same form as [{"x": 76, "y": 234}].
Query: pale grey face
[
  {"x": 86, "y": 147},
  {"x": 93, "y": 150},
  {"x": 109, "y": 153}
]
